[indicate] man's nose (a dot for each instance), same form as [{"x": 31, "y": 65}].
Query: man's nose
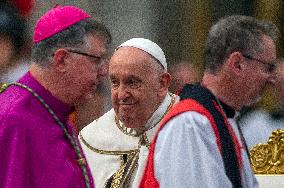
[
  {"x": 272, "y": 78},
  {"x": 102, "y": 70},
  {"x": 123, "y": 92}
]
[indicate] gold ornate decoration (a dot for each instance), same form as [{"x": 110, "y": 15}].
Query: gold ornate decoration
[{"x": 268, "y": 158}]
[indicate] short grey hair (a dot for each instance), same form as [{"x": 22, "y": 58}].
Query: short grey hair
[
  {"x": 236, "y": 33},
  {"x": 72, "y": 37}
]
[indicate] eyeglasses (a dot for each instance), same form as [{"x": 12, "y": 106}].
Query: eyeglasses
[
  {"x": 270, "y": 67},
  {"x": 94, "y": 58}
]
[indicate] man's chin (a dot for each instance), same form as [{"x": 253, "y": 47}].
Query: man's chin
[
  {"x": 128, "y": 122},
  {"x": 126, "y": 111},
  {"x": 87, "y": 96},
  {"x": 253, "y": 101}
]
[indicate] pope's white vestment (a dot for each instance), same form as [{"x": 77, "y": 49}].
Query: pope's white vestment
[{"x": 115, "y": 154}]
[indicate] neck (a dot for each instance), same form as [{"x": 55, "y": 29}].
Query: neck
[
  {"x": 223, "y": 89},
  {"x": 50, "y": 80}
]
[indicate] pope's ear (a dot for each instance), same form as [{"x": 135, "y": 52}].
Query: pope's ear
[
  {"x": 165, "y": 79},
  {"x": 60, "y": 58}
]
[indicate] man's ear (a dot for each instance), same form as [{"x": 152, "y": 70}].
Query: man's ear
[
  {"x": 165, "y": 79},
  {"x": 60, "y": 57},
  {"x": 235, "y": 62}
]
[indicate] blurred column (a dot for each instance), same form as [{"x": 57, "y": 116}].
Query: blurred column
[
  {"x": 197, "y": 20},
  {"x": 271, "y": 10},
  {"x": 159, "y": 21},
  {"x": 127, "y": 18},
  {"x": 223, "y": 8}
]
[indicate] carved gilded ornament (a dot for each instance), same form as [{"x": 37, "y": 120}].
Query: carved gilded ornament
[{"x": 268, "y": 158}]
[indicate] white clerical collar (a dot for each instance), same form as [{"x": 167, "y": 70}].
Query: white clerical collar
[{"x": 161, "y": 111}]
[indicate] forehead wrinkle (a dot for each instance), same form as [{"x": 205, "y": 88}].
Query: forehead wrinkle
[
  {"x": 132, "y": 72},
  {"x": 129, "y": 71}
]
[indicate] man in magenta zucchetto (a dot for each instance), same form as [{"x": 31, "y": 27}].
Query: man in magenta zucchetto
[{"x": 38, "y": 146}]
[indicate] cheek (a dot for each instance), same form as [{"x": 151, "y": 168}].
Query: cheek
[
  {"x": 79, "y": 71},
  {"x": 114, "y": 98},
  {"x": 89, "y": 74},
  {"x": 261, "y": 79},
  {"x": 83, "y": 78},
  {"x": 155, "y": 90},
  {"x": 257, "y": 83},
  {"x": 250, "y": 84},
  {"x": 140, "y": 95},
  {"x": 255, "y": 78},
  {"x": 148, "y": 99}
]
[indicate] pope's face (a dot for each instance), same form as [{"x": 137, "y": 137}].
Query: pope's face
[{"x": 135, "y": 86}]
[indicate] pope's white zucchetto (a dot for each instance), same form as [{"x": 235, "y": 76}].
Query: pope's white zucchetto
[{"x": 148, "y": 46}]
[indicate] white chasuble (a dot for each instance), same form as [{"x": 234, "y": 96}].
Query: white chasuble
[{"x": 115, "y": 154}]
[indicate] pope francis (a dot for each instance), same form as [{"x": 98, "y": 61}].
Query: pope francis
[{"x": 116, "y": 144}]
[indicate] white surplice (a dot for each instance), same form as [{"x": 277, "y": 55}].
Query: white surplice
[{"x": 187, "y": 156}]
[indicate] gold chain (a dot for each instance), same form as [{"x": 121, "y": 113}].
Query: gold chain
[{"x": 104, "y": 152}]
